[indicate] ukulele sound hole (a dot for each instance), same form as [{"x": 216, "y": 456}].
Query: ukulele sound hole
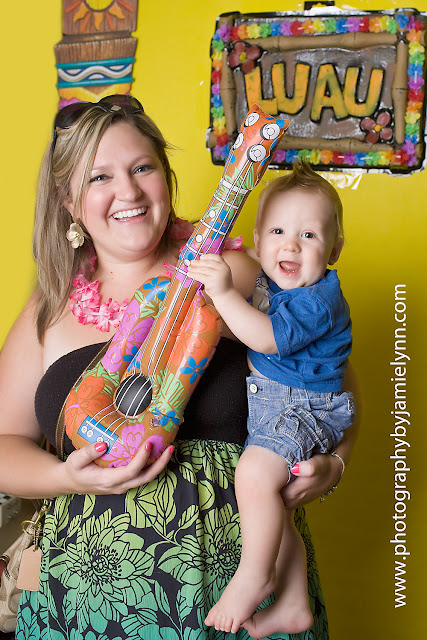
[{"x": 133, "y": 395}]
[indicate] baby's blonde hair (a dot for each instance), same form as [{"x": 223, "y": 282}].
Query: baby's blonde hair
[{"x": 302, "y": 177}]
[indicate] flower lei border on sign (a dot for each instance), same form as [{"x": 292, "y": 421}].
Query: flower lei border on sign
[{"x": 237, "y": 44}]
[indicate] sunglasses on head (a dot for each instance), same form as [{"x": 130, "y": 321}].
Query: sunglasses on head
[{"x": 66, "y": 117}]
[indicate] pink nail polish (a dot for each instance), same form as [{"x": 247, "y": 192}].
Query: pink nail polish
[
  {"x": 148, "y": 446},
  {"x": 101, "y": 446},
  {"x": 295, "y": 469},
  {"x": 172, "y": 449}
]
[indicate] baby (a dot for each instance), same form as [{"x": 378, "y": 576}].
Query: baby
[{"x": 298, "y": 331}]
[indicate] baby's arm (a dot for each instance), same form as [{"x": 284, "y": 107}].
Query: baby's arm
[{"x": 250, "y": 326}]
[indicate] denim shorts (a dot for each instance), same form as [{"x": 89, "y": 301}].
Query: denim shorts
[{"x": 295, "y": 423}]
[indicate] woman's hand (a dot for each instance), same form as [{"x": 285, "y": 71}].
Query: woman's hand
[
  {"x": 314, "y": 478},
  {"x": 322, "y": 472},
  {"x": 83, "y": 475}
]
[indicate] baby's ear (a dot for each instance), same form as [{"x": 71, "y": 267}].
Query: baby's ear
[
  {"x": 335, "y": 253},
  {"x": 256, "y": 242}
]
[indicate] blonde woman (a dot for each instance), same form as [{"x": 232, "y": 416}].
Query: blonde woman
[{"x": 129, "y": 552}]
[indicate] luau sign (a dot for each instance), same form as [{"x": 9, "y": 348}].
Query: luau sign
[{"x": 351, "y": 84}]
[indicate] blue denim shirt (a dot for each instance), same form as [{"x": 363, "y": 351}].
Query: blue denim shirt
[{"x": 312, "y": 329}]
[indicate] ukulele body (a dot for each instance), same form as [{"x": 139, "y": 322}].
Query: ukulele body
[{"x": 138, "y": 390}]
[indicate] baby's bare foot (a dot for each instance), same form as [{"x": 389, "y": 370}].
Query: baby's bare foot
[
  {"x": 279, "y": 619},
  {"x": 238, "y": 602}
]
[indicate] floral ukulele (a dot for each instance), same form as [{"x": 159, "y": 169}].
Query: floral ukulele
[{"x": 139, "y": 386}]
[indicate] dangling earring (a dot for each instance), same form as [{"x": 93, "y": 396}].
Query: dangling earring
[{"x": 75, "y": 235}]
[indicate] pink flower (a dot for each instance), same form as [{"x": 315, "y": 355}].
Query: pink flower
[
  {"x": 181, "y": 229},
  {"x": 416, "y": 83},
  {"x": 131, "y": 329},
  {"x": 279, "y": 156},
  {"x": 169, "y": 269},
  {"x": 234, "y": 244},
  {"x": 80, "y": 313},
  {"x": 86, "y": 292},
  {"x": 285, "y": 28},
  {"x": 353, "y": 24},
  {"x": 117, "y": 311},
  {"x": 224, "y": 32},
  {"x": 244, "y": 55},
  {"x": 378, "y": 128},
  {"x": 125, "y": 447},
  {"x": 158, "y": 445},
  {"x": 102, "y": 317}
]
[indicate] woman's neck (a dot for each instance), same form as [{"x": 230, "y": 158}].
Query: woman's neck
[{"x": 120, "y": 280}]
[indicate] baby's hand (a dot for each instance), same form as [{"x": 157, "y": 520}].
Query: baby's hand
[{"x": 212, "y": 271}]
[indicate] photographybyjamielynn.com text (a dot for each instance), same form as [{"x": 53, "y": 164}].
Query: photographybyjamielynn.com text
[{"x": 401, "y": 423}]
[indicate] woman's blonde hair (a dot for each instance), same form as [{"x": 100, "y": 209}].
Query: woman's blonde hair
[
  {"x": 302, "y": 177},
  {"x": 57, "y": 262}
]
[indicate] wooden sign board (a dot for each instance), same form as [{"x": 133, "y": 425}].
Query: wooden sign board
[{"x": 351, "y": 83}]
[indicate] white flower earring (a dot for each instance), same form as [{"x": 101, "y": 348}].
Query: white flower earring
[{"x": 75, "y": 235}]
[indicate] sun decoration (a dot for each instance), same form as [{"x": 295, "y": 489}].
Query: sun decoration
[{"x": 98, "y": 13}]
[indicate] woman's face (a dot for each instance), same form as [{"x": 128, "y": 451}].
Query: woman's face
[{"x": 127, "y": 202}]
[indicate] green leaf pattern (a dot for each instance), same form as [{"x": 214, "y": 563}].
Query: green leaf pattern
[
  {"x": 171, "y": 397},
  {"x": 148, "y": 564}
]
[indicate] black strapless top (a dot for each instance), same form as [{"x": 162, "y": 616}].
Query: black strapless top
[{"x": 217, "y": 410}]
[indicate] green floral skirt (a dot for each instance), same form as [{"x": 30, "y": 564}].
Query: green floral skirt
[{"x": 150, "y": 563}]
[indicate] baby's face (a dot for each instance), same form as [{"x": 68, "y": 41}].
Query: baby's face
[{"x": 296, "y": 238}]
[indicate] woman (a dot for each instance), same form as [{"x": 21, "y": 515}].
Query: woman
[{"x": 138, "y": 551}]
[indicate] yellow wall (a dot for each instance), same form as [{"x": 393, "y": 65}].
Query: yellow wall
[{"x": 386, "y": 233}]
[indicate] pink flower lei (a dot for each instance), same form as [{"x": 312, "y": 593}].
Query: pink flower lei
[
  {"x": 85, "y": 298},
  {"x": 87, "y": 306}
]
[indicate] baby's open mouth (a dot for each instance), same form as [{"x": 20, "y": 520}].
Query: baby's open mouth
[{"x": 290, "y": 267}]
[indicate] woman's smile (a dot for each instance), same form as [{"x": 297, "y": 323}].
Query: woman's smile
[{"x": 130, "y": 213}]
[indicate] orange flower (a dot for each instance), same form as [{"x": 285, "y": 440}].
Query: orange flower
[
  {"x": 375, "y": 25},
  {"x": 242, "y": 31},
  {"x": 413, "y": 35},
  {"x": 73, "y": 414},
  {"x": 326, "y": 156},
  {"x": 414, "y": 106},
  {"x": 308, "y": 26}
]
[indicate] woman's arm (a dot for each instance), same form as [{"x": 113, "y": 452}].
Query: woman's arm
[
  {"x": 322, "y": 472},
  {"x": 244, "y": 271},
  {"x": 28, "y": 471}
]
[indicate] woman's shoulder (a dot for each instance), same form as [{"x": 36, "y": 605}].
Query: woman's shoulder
[
  {"x": 24, "y": 329},
  {"x": 244, "y": 269}
]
